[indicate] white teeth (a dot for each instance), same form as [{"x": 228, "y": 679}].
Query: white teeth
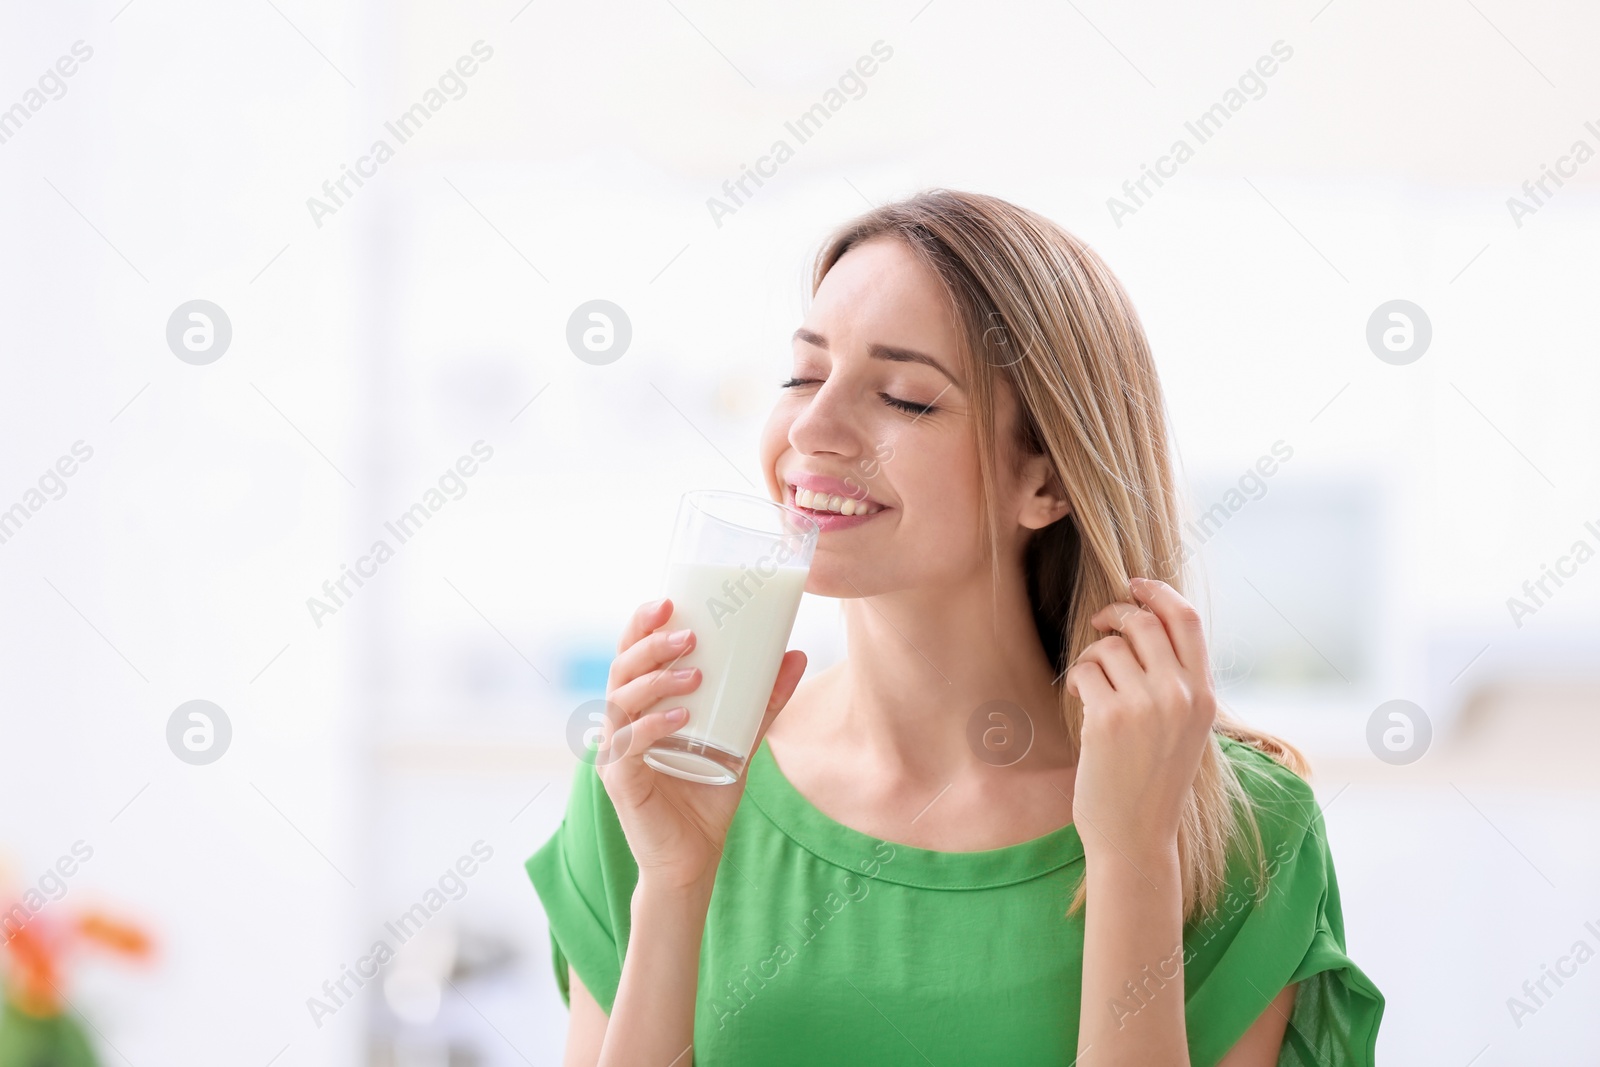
[{"x": 842, "y": 505}]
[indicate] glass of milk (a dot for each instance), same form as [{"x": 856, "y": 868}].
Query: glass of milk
[{"x": 735, "y": 572}]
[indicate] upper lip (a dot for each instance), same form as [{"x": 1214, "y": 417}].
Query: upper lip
[{"x": 822, "y": 483}]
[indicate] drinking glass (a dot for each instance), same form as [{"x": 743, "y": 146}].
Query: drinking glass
[{"x": 735, "y": 571}]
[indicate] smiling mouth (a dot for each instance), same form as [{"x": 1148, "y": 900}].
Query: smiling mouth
[{"x": 824, "y": 503}]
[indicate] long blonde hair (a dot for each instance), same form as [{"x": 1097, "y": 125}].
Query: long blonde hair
[{"x": 1038, "y": 309}]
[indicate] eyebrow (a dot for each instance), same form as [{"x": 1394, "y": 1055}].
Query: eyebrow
[{"x": 877, "y": 351}]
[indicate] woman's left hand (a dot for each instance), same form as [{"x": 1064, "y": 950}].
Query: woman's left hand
[{"x": 1148, "y": 708}]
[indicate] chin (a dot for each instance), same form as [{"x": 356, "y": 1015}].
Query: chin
[{"x": 828, "y": 579}]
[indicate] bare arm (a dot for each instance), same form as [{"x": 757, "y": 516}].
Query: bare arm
[
  {"x": 1260, "y": 1045},
  {"x": 1132, "y": 1009},
  {"x": 652, "y": 1020},
  {"x": 654, "y": 1009},
  {"x": 586, "y": 1030},
  {"x": 1148, "y": 710},
  {"x": 1137, "y": 938}
]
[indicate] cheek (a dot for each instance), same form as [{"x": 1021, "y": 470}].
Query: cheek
[
  {"x": 774, "y": 441},
  {"x": 937, "y": 487}
]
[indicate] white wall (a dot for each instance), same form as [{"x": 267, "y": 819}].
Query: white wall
[{"x": 372, "y": 351}]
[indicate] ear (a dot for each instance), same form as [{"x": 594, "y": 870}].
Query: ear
[{"x": 1045, "y": 500}]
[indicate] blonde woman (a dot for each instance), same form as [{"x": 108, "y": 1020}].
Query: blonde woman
[{"x": 1144, "y": 881}]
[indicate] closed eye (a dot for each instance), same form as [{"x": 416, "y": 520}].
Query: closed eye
[{"x": 907, "y": 406}]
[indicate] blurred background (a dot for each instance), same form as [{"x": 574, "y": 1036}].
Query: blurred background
[{"x": 244, "y": 343}]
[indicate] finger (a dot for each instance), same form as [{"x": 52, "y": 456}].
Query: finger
[
  {"x": 1144, "y": 631},
  {"x": 1087, "y": 681},
  {"x": 645, "y": 618},
  {"x": 1117, "y": 661},
  {"x": 646, "y": 692},
  {"x": 655, "y": 651},
  {"x": 635, "y": 738},
  {"x": 1110, "y": 616},
  {"x": 1185, "y": 631}
]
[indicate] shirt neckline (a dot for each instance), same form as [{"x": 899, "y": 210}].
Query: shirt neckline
[{"x": 890, "y": 861}]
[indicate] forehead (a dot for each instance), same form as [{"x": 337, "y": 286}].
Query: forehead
[{"x": 880, "y": 292}]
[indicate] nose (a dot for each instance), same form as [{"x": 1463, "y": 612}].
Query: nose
[{"x": 828, "y": 422}]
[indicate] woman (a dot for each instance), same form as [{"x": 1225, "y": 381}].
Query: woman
[{"x": 1010, "y": 826}]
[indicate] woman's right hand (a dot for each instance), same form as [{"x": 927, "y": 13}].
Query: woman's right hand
[{"x": 675, "y": 828}]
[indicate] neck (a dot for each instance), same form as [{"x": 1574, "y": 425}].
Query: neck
[{"x": 922, "y": 662}]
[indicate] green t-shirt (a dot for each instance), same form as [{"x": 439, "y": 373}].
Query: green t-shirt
[{"x": 827, "y": 945}]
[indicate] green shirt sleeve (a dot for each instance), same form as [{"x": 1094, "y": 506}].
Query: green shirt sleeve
[
  {"x": 1243, "y": 954},
  {"x": 585, "y": 876}
]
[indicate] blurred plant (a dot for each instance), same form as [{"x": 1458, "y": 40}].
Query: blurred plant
[{"x": 35, "y": 1029}]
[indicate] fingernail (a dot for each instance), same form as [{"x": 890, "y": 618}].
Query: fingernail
[
  {"x": 677, "y": 715},
  {"x": 683, "y": 673},
  {"x": 657, "y": 605},
  {"x": 678, "y": 637}
]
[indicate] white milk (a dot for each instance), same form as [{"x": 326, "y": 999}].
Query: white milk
[{"x": 741, "y": 623}]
